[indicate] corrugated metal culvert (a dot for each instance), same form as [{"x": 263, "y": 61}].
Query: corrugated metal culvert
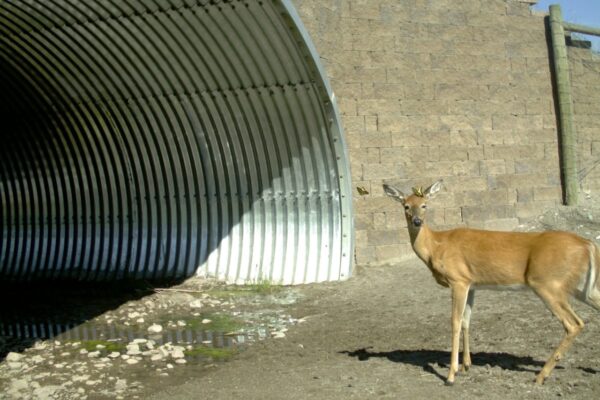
[{"x": 159, "y": 138}]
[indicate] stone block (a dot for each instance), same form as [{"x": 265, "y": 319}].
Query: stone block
[{"x": 383, "y": 237}]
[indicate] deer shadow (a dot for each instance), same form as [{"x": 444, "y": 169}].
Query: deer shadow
[{"x": 426, "y": 359}]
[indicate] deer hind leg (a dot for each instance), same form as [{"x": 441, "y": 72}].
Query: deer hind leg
[
  {"x": 573, "y": 325},
  {"x": 466, "y": 320}
]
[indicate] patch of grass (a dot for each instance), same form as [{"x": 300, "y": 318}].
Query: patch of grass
[
  {"x": 261, "y": 287},
  {"x": 219, "y": 354}
]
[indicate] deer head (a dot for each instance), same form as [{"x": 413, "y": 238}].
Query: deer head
[{"x": 415, "y": 205}]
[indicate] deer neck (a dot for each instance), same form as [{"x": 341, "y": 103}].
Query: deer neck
[{"x": 421, "y": 239}]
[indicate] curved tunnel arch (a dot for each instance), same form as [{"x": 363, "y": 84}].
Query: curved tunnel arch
[{"x": 158, "y": 139}]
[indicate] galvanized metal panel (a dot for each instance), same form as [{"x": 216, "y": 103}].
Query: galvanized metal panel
[{"x": 158, "y": 139}]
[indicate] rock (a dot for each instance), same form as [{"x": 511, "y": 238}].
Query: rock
[
  {"x": 196, "y": 304},
  {"x": 177, "y": 353},
  {"x": 91, "y": 382},
  {"x": 15, "y": 365},
  {"x": 206, "y": 321},
  {"x": 132, "y": 361},
  {"x": 46, "y": 392},
  {"x": 181, "y": 323},
  {"x": 40, "y": 345},
  {"x": 277, "y": 335},
  {"x": 156, "y": 357},
  {"x": 114, "y": 354},
  {"x": 121, "y": 384},
  {"x": 100, "y": 346},
  {"x": 133, "y": 315},
  {"x": 93, "y": 354},
  {"x": 14, "y": 356},
  {"x": 83, "y": 351},
  {"x": 155, "y": 328},
  {"x": 133, "y": 349},
  {"x": 170, "y": 366},
  {"x": 180, "y": 361},
  {"x": 80, "y": 378}
]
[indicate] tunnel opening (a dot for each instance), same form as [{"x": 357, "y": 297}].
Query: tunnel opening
[{"x": 157, "y": 140}]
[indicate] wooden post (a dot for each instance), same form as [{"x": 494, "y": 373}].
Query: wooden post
[{"x": 568, "y": 140}]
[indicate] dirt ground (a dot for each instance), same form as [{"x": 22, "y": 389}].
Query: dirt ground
[{"x": 385, "y": 333}]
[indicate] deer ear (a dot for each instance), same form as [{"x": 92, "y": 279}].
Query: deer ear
[
  {"x": 432, "y": 190},
  {"x": 394, "y": 193}
]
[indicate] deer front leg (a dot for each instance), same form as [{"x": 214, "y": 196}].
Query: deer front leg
[
  {"x": 459, "y": 299},
  {"x": 466, "y": 320}
]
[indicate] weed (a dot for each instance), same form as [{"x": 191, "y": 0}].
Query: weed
[{"x": 220, "y": 354}]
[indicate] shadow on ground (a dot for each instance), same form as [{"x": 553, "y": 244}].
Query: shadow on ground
[
  {"x": 34, "y": 311},
  {"x": 426, "y": 359}
]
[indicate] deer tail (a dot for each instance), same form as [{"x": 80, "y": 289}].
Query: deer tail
[{"x": 591, "y": 290}]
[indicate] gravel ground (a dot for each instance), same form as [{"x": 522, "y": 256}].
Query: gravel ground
[{"x": 384, "y": 333}]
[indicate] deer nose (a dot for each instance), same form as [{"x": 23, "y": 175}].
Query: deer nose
[{"x": 417, "y": 221}]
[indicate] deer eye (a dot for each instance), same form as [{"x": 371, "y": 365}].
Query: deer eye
[
  {"x": 424, "y": 206},
  {"x": 407, "y": 208}
]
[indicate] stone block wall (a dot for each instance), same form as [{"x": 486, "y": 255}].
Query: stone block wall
[
  {"x": 585, "y": 83},
  {"x": 459, "y": 90}
]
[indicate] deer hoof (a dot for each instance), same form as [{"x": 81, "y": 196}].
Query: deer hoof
[{"x": 449, "y": 383}]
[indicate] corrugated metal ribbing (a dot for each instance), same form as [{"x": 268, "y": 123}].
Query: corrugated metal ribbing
[{"x": 157, "y": 139}]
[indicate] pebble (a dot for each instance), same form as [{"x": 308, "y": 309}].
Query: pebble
[
  {"x": 114, "y": 354},
  {"x": 15, "y": 365},
  {"x": 133, "y": 349},
  {"x": 132, "y": 361},
  {"x": 196, "y": 304},
  {"x": 206, "y": 321},
  {"x": 93, "y": 354},
  {"x": 177, "y": 353},
  {"x": 13, "y": 356},
  {"x": 155, "y": 328}
]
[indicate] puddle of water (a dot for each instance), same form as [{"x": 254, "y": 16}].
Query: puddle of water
[{"x": 87, "y": 344}]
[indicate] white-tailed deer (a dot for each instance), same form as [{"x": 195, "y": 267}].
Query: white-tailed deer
[{"x": 555, "y": 265}]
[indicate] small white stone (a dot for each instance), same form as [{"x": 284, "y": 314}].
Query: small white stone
[
  {"x": 121, "y": 384},
  {"x": 93, "y": 354},
  {"x": 156, "y": 357},
  {"x": 140, "y": 320},
  {"x": 155, "y": 328},
  {"x": 177, "y": 353},
  {"x": 133, "y": 349},
  {"x": 114, "y": 354},
  {"x": 133, "y": 315},
  {"x": 37, "y": 359},
  {"x": 181, "y": 323},
  {"x": 180, "y": 361},
  {"x": 15, "y": 365},
  {"x": 132, "y": 361},
  {"x": 170, "y": 366},
  {"x": 14, "y": 356},
  {"x": 206, "y": 321},
  {"x": 277, "y": 335},
  {"x": 83, "y": 351},
  {"x": 196, "y": 304}
]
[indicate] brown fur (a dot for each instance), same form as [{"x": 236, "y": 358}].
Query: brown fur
[{"x": 553, "y": 264}]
